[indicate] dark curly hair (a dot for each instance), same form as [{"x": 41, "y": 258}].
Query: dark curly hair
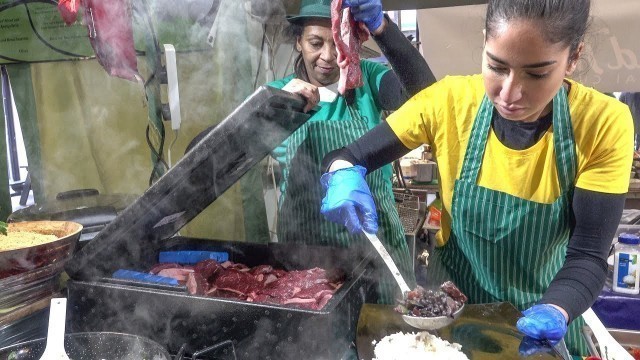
[{"x": 294, "y": 32}]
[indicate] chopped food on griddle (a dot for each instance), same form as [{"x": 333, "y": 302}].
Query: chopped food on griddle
[{"x": 431, "y": 303}]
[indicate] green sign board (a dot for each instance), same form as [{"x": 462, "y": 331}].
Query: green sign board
[{"x": 34, "y": 32}]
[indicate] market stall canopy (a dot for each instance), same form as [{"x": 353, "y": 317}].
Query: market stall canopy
[{"x": 610, "y": 63}]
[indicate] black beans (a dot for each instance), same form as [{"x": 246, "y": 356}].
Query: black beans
[{"x": 432, "y": 303}]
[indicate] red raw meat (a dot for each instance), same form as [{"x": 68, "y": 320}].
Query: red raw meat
[
  {"x": 161, "y": 266},
  {"x": 111, "y": 36},
  {"x": 179, "y": 274},
  {"x": 311, "y": 301},
  {"x": 294, "y": 282},
  {"x": 348, "y": 37},
  {"x": 262, "y": 269},
  {"x": 323, "y": 301},
  {"x": 315, "y": 292},
  {"x": 196, "y": 284},
  {"x": 268, "y": 279},
  {"x": 68, "y": 10},
  {"x": 279, "y": 273},
  {"x": 305, "y": 289},
  {"x": 237, "y": 281},
  {"x": 207, "y": 268}
]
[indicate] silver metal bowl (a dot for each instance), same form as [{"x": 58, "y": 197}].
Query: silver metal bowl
[{"x": 431, "y": 323}]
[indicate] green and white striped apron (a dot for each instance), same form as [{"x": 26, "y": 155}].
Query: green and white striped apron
[
  {"x": 505, "y": 248},
  {"x": 300, "y": 220}
]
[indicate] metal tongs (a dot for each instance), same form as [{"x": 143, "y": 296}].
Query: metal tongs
[{"x": 423, "y": 323}]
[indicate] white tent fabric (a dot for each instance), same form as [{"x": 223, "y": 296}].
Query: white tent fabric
[{"x": 452, "y": 42}]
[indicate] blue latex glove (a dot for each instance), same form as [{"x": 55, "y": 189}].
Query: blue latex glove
[
  {"x": 367, "y": 11},
  {"x": 348, "y": 200},
  {"x": 543, "y": 322}
]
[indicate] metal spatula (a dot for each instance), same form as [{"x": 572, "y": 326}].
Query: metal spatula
[
  {"x": 610, "y": 349},
  {"x": 55, "y": 335},
  {"x": 388, "y": 261}
]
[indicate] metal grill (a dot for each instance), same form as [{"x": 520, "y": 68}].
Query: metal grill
[{"x": 408, "y": 206}]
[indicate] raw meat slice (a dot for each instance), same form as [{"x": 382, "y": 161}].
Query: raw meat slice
[
  {"x": 262, "y": 269},
  {"x": 111, "y": 36},
  {"x": 68, "y": 10},
  {"x": 207, "y": 268},
  {"x": 305, "y": 289},
  {"x": 237, "y": 281},
  {"x": 348, "y": 37},
  {"x": 197, "y": 284},
  {"x": 179, "y": 274},
  {"x": 161, "y": 266},
  {"x": 315, "y": 292}
]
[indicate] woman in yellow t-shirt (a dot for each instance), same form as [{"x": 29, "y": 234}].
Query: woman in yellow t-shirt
[{"x": 533, "y": 167}]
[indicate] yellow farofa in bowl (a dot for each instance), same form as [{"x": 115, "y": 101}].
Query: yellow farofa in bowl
[{"x": 23, "y": 239}]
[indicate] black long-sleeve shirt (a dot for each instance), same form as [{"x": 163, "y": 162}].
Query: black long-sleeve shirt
[{"x": 410, "y": 72}]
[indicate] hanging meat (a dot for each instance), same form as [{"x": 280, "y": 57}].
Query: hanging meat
[
  {"x": 110, "y": 33},
  {"x": 348, "y": 35},
  {"x": 111, "y": 36},
  {"x": 68, "y": 10}
]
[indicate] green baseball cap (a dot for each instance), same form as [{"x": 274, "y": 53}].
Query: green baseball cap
[{"x": 312, "y": 9}]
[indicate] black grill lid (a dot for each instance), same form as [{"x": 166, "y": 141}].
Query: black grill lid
[{"x": 206, "y": 171}]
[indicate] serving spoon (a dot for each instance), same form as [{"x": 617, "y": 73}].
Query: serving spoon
[
  {"x": 55, "y": 333},
  {"x": 419, "y": 322}
]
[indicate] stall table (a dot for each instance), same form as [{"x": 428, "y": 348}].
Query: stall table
[{"x": 618, "y": 311}]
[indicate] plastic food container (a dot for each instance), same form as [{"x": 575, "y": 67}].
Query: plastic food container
[{"x": 626, "y": 270}]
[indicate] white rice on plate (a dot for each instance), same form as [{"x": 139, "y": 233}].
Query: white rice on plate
[{"x": 416, "y": 346}]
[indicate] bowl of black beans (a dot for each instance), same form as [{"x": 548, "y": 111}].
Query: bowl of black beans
[{"x": 432, "y": 309}]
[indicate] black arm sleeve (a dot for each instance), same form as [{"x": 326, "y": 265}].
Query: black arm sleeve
[
  {"x": 376, "y": 148},
  {"x": 580, "y": 280},
  {"x": 410, "y": 72}
]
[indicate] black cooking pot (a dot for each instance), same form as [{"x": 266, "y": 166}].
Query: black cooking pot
[
  {"x": 85, "y": 206},
  {"x": 92, "y": 346}
]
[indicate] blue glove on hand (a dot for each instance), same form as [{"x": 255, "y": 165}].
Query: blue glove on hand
[
  {"x": 367, "y": 11},
  {"x": 543, "y": 322},
  {"x": 348, "y": 200}
]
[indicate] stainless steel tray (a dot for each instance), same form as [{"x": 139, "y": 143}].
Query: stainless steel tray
[{"x": 629, "y": 339}]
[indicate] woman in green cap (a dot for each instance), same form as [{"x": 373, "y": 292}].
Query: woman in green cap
[{"x": 338, "y": 120}]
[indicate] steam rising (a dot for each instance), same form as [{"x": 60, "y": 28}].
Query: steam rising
[{"x": 93, "y": 136}]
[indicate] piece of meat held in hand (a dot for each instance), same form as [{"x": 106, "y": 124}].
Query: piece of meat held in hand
[{"x": 348, "y": 37}]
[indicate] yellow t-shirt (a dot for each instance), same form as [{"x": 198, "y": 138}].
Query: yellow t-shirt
[{"x": 442, "y": 116}]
